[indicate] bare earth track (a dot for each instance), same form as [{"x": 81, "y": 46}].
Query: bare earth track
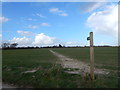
[{"x": 78, "y": 66}]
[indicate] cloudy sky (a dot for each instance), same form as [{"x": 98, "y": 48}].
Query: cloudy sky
[{"x": 67, "y": 23}]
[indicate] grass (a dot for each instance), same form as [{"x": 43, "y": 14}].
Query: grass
[
  {"x": 19, "y": 58},
  {"x": 50, "y": 74},
  {"x": 0, "y": 65},
  {"x": 105, "y": 57},
  {"x": 17, "y": 61}
]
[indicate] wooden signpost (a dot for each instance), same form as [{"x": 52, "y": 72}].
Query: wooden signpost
[{"x": 91, "y": 56}]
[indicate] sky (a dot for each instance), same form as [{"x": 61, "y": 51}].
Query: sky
[{"x": 53, "y": 23}]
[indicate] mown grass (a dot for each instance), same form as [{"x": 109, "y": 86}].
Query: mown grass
[
  {"x": 20, "y": 58},
  {"x": 50, "y": 74},
  {"x": 17, "y": 61},
  {"x": 105, "y": 57}
]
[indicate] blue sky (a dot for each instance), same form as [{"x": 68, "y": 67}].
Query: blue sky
[{"x": 51, "y": 23}]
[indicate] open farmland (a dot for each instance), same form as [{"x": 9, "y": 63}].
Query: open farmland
[
  {"x": 105, "y": 57},
  {"x": 40, "y": 68}
]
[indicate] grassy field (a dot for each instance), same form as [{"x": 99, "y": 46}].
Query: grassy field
[
  {"x": 0, "y": 65},
  {"x": 105, "y": 57},
  {"x": 52, "y": 75}
]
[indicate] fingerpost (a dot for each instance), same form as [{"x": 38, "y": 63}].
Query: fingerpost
[{"x": 91, "y": 55}]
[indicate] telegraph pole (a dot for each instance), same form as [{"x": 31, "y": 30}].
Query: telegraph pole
[{"x": 91, "y": 56}]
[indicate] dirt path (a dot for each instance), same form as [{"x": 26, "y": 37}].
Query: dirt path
[
  {"x": 78, "y": 66},
  {"x": 8, "y": 86}
]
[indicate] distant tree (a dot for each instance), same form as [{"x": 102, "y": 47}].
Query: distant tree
[
  {"x": 63, "y": 46},
  {"x": 54, "y": 46},
  {"x": 13, "y": 45},
  {"x": 36, "y": 47},
  {"x": 60, "y": 45},
  {"x": 5, "y": 45}
]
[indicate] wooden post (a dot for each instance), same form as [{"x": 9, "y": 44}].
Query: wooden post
[{"x": 91, "y": 56}]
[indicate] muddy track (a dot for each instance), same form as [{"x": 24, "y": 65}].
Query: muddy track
[{"x": 78, "y": 66}]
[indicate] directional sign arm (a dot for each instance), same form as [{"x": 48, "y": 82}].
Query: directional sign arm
[{"x": 88, "y": 38}]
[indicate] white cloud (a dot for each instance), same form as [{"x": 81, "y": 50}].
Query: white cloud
[
  {"x": 31, "y": 19},
  {"x": 32, "y": 27},
  {"x": 63, "y": 14},
  {"x": 21, "y": 41},
  {"x": 55, "y": 10},
  {"x": 0, "y": 35},
  {"x": 37, "y": 26},
  {"x": 40, "y": 15},
  {"x": 44, "y": 24},
  {"x": 105, "y": 22},
  {"x": 3, "y": 19},
  {"x": 24, "y": 33},
  {"x": 91, "y": 6},
  {"x": 0, "y": 40},
  {"x": 58, "y": 12},
  {"x": 72, "y": 43},
  {"x": 42, "y": 39}
]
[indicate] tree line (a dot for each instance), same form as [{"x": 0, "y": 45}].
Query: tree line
[
  {"x": 9, "y": 45},
  {"x": 14, "y": 46}
]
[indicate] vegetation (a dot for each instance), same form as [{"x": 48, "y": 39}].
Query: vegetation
[
  {"x": 49, "y": 74},
  {"x": 105, "y": 57},
  {"x": 8, "y": 45}
]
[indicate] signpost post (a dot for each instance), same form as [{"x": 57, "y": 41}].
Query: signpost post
[{"x": 91, "y": 56}]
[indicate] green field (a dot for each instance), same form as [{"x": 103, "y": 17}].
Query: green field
[
  {"x": 105, "y": 57},
  {"x": 52, "y": 75}
]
